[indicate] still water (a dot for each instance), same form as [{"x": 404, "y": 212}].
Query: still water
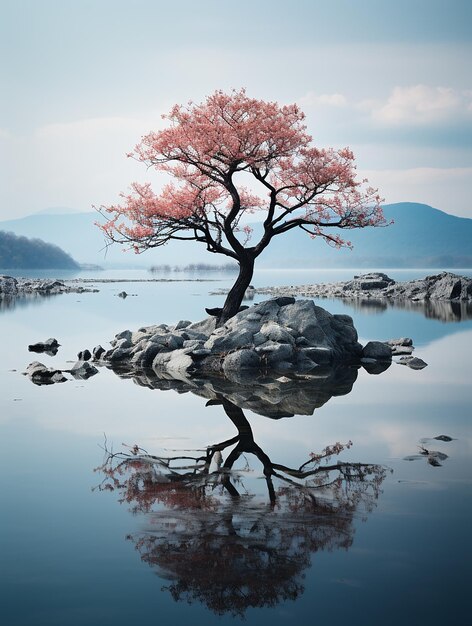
[{"x": 379, "y": 540}]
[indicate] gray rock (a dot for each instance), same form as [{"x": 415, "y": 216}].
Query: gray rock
[
  {"x": 241, "y": 360},
  {"x": 117, "y": 354},
  {"x": 8, "y": 286},
  {"x": 82, "y": 370},
  {"x": 180, "y": 361},
  {"x": 97, "y": 352},
  {"x": 84, "y": 355},
  {"x": 276, "y": 332},
  {"x": 402, "y": 341},
  {"x": 50, "y": 346},
  {"x": 182, "y": 324},
  {"x": 397, "y": 350},
  {"x": 174, "y": 342},
  {"x": 445, "y": 287},
  {"x": 378, "y": 351},
  {"x": 412, "y": 361},
  {"x": 40, "y": 374},
  {"x": 124, "y": 334},
  {"x": 145, "y": 356},
  {"x": 367, "y": 282},
  {"x": 272, "y": 353},
  {"x": 279, "y": 334}
]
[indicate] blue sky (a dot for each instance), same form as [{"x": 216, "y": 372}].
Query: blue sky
[{"x": 82, "y": 80}]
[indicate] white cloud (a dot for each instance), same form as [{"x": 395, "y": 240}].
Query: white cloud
[{"x": 420, "y": 105}]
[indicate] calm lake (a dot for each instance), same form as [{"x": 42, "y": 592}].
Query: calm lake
[{"x": 393, "y": 548}]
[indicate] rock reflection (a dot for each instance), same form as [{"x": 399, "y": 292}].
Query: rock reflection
[
  {"x": 219, "y": 540},
  {"x": 8, "y": 303},
  {"x": 266, "y": 395},
  {"x": 443, "y": 310}
]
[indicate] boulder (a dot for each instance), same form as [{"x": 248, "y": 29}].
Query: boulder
[{"x": 378, "y": 351}]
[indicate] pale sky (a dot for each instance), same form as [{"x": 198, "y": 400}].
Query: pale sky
[{"x": 82, "y": 80}]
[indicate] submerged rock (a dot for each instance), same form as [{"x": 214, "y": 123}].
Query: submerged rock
[
  {"x": 40, "y": 374},
  {"x": 50, "y": 346},
  {"x": 412, "y": 361}
]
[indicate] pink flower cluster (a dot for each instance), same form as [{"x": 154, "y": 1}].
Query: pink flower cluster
[{"x": 204, "y": 147}]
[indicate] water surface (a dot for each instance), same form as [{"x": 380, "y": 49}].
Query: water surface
[{"x": 74, "y": 555}]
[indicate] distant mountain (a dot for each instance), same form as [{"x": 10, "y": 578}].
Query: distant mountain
[
  {"x": 77, "y": 234},
  {"x": 23, "y": 253},
  {"x": 421, "y": 236}
]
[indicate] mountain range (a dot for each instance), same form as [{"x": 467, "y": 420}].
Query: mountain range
[{"x": 420, "y": 236}]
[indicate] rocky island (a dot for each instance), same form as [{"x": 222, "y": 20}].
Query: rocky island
[
  {"x": 444, "y": 286},
  {"x": 11, "y": 287}
]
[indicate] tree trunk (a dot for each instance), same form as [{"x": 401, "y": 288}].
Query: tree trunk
[{"x": 237, "y": 291}]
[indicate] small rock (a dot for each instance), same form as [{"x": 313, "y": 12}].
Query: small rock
[
  {"x": 83, "y": 370},
  {"x": 377, "y": 350},
  {"x": 400, "y": 350},
  {"x": 40, "y": 374},
  {"x": 50, "y": 346},
  {"x": 98, "y": 351},
  {"x": 84, "y": 355},
  {"x": 402, "y": 341},
  {"x": 412, "y": 361}
]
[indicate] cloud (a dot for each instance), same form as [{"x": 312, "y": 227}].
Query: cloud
[
  {"x": 420, "y": 105},
  {"x": 78, "y": 163}
]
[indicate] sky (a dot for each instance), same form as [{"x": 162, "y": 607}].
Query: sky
[{"x": 83, "y": 80}]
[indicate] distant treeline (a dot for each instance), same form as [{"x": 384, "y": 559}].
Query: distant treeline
[
  {"x": 195, "y": 267},
  {"x": 23, "y": 253}
]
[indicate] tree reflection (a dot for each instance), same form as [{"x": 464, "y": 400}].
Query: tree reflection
[{"x": 216, "y": 538}]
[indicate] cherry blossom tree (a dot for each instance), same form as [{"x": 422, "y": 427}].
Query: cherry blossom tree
[{"x": 231, "y": 156}]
